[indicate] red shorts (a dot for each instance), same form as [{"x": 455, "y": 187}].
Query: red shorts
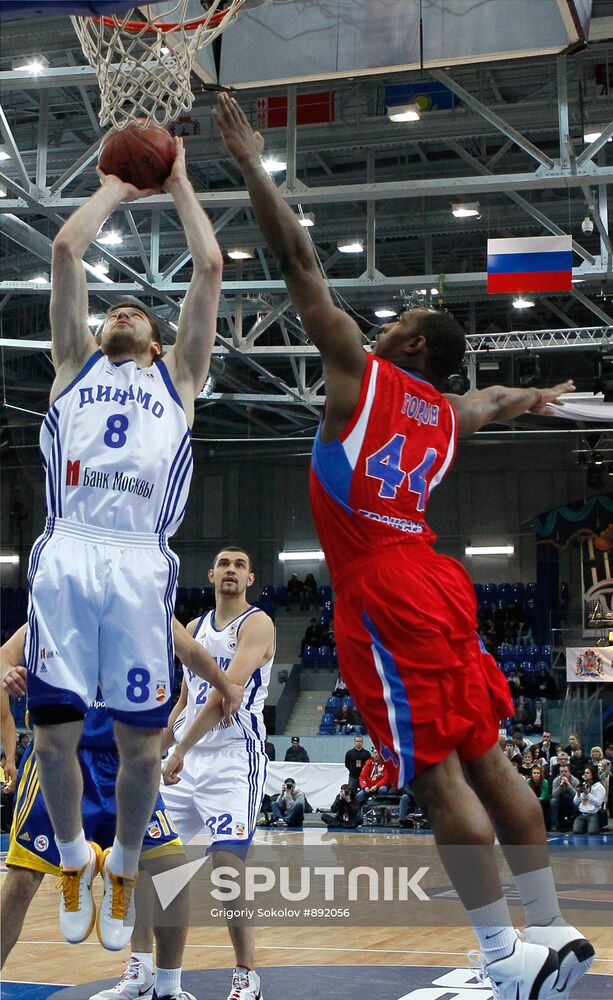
[{"x": 409, "y": 653}]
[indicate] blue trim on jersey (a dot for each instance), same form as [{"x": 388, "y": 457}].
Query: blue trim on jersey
[
  {"x": 153, "y": 718},
  {"x": 256, "y": 677},
  {"x": 243, "y": 613},
  {"x": 204, "y": 615},
  {"x": 86, "y": 367},
  {"x": 331, "y": 466},
  {"x": 402, "y": 707},
  {"x": 161, "y": 365},
  {"x": 238, "y": 847},
  {"x": 32, "y": 663},
  {"x": 252, "y": 610},
  {"x": 188, "y": 463},
  {"x": 169, "y": 603},
  {"x": 183, "y": 450}
]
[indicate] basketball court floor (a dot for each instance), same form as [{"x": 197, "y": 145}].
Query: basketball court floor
[{"x": 306, "y": 961}]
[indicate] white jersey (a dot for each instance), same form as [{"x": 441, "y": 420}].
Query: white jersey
[
  {"x": 247, "y": 726},
  {"x": 117, "y": 449}
]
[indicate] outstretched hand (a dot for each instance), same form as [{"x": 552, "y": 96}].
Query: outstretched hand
[
  {"x": 242, "y": 143},
  {"x": 126, "y": 192},
  {"x": 15, "y": 681},
  {"x": 171, "y": 768},
  {"x": 179, "y": 170},
  {"x": 552, "y": 395}
]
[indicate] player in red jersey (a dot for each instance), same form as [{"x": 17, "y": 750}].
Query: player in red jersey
[{"x": 405, "y": 616}]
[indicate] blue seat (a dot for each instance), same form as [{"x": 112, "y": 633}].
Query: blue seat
[
  {"x": 501, "y": 603},
  {"x": 309, "y": 655},
  {"x": 509, "y": 666},
  {"x": 490, "y": 591},
  {"x": 505, "y": 590},
  {"x": 324, "y": 655},
  {"x": 504, "y": 651},
  {"x": 531, "y": 589},
  {"x": 324, "y": 593},
  {"x": 518, "y": 591},
  {"x": 333, "y": 703},
  {"x": 268, "y": 592},
  {"x": 478, "y": 591},
  {"x": 282, "y": 595},
  {"x": 546, "y": 654},
  {"x": 325, "y": 618}
]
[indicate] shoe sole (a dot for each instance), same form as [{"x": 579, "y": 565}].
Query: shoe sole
[
  {"x": 575, "y": 960},
  {"x": 543, "y": 985}
]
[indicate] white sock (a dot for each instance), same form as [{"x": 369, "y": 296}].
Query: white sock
[
  {"x": 494, "y": 928},
  {"x": 167, "y": 981},
  {"x": 123, "y": 860},
  {"x": 74, "y": 853},
  {"x": 145, "y": 958},
  {"x": 537, "y": 892}
]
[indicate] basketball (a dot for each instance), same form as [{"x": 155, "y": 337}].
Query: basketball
[{"x": 139, "y": 156}]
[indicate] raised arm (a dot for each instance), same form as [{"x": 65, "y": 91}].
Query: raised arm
[
  {"x": 11, "y": 658},
  {"x": 72, "y": 341},
  {"x": 188, "y": 361},
  {"x": 482, "y": 406},
  {"x": 197, "y": 659},
  {"x": 333, "y": 331}
]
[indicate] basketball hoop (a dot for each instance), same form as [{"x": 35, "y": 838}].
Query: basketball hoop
[{"x": 143, "y": 61}]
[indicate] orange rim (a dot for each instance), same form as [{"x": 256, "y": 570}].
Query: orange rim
[{"x": 214, "y": 21}]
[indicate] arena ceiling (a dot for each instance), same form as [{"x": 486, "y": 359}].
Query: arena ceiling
[{"x": 506, "y": 132}]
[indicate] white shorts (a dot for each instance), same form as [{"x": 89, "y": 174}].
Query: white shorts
[
  {"x": 100, "y": 615},
  {"x": 220, "y": 792}
]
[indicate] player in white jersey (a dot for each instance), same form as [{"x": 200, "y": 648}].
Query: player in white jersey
[
  {"x": 116, "y": 448},
  {"x": 215, "y": 775}
]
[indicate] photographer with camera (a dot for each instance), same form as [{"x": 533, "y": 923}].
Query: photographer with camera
[
  {"x": 288, "y": 810},
  {"x": 344, "y": 811},
  {"x": 589, "y": 798}
]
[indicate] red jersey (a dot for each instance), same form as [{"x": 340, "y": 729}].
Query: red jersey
[{"x": 370, "y": 486}]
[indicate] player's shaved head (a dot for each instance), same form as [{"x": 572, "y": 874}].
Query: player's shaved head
[{"x": 235, "y": 548}]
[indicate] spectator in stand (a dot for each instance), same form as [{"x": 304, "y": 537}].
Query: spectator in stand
[
  {"x": 375, "y": 778},
  {"x": 328, "y": 635},
  {"x": 523, "y": 717},
  {"x": 295, "y": 754},
  {"x": 562, "y": 804},
  {"x": 22, "y": 745},
  {"x": 573, "y": 743},
  {"x": 7, "y": 797},
  {"x": 527, "y": 763},
  {"x": 355, "y": 760},
  {"x": 270, "y": 750},
  {"x": 313, "y": 635},
  {"x": 578, "y": 762},
  {"x": 288, "y": 808},
  {"x": 545, "y": 686},
  {"x": 514, "y": 684},
  {"x": 540, "y": 786},
  {"x": 294, "y": 589},
  {"x": 519, "y": 741},
  {"x": 308, "y": 598},
  {"x": 510, "y": 749},
  {"x": 561, "y": 759},
  {"x": 538, "y": 717},
  {"x": 343, "y": 720},
  {"x": 590, "y": 799},
  {"x": 407, "y": 805},
  {"x": 545, "y": 749},
  {"x": 597, "y": 758},
  {"x": 344, "y": 811},
  {"x": 609, "y": 752},
  {"x": 340, "y": 689}
]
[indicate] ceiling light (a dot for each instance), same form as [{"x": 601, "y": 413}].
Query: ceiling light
[
  {"x": 465, "y": 209},
  {"x": 101, "y": 266},
  {"x": 2, "y": 190},
  {"x": 404, "y": 113},
  {"x": 10, "y": 560},
  {"x": 31, "y": 64},
  {"x": 272, "y": 165},
  {"x": 238, "y": 254},
  {"x": 39, "y": 279},
  {"x": 593, "y": 132},
  {"x": 94, "y": 320},
  {"x": 489, "y": 550},
  {"x": 350, "y": 246},
  {"x": 4, "y": 153},
  {"x": 520, "y": 303},
  {"x": 302, "y": 555},
  {"x": 385, "y": 313},
  {"x": 307, "y": 219},
  {"x": 434, "y": 291},
  {"x": 110, "y": 239}
]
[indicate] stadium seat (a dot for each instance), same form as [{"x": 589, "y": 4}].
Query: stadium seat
[
  {"x": 282, "y": 596},
  {"x": 505, "y": 590},
  {"x": 478, "y": 592},
  {"x": 324, "y": 593},
  {"x": 324, "y": 655},
  {"x": 309, "y": 655},
  {"x": 531, "y": 589},
  {"x": 490, "y": 591}
]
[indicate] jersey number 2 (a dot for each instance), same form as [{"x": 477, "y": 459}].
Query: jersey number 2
[{"x": 385, "y": 465}]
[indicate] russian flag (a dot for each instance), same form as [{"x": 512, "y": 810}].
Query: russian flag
[{"x": 532, "y": 264}]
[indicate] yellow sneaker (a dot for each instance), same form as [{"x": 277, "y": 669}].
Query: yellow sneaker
[
  {"x": 116, "y": 915},
  {"x": 77, "y": 906}
]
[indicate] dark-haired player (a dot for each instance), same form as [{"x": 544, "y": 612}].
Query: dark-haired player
[
  {"x": 405, "y": 616},
  {"x": 117, "y": 453}
]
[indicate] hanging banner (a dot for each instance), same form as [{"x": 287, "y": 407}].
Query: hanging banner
[
  {"x": 530, "y": 264},
  {"x": 589, "y": 663}
]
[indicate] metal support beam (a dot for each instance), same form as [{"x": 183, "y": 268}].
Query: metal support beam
[
  {"x": 154, "y": 246},
  {"x": 594, "y": 209},
  {"x": 492, "y": 117},
  {"x": 77, "y": 168},
  {"x": 371, "y": 265},
  {"x": 291, "y": 139},
  {"x": 8, "y": 137},
  {"x": 602, "y": 315},
  {"x": 590, "y": 152},
  {"x": 563, "y": 111},
  {"x": 186, "y": 256},
  {"x": 43, "y": 139}
]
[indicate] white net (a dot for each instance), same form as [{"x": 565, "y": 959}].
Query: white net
[{"x": 143, "y": 61}]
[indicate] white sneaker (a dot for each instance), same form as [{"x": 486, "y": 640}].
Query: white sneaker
[
  {"x": 77, "y": 906},
  {"x": 135, "y": 984},
  {"x": 528, "y": 973},
  {"x": 245, "y": 986},
  {"x": 575, "y": 954},
  {"x": 181, "y": 995},
  {"x": 117, "y": 912}
]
